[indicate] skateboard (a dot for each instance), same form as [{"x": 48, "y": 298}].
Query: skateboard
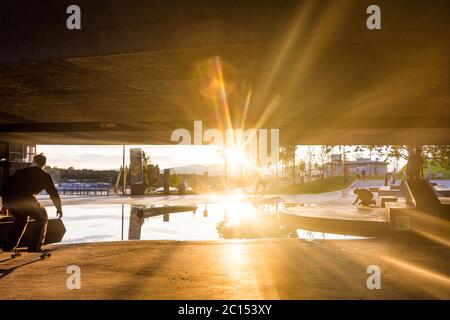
[{"x": 45, "y": 253}]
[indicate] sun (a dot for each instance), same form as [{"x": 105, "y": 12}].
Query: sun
[{"x": 236, "y": 157}]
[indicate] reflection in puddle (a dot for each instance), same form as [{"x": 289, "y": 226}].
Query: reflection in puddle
[
  {"x": 260, "y": 225},
  {"x": 314, "y": 235},
  {"x": 213, "y": 221}
]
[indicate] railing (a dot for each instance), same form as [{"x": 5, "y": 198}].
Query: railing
[{"x": 96, "y": 191}]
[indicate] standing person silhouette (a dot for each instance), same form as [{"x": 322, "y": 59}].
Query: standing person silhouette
[
  {"x": 262, "y": 177},
  {"x": 19, "y": 198}
]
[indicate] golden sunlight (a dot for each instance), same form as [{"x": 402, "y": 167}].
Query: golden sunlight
[{"x": 236, "y": 157}]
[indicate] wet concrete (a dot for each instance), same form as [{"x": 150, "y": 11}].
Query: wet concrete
[
  {"x": 233, "y": 215},
  {"x": 329, "y": 204}
]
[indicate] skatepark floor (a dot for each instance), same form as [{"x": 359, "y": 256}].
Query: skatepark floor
[{"x": 411, "y": 268}]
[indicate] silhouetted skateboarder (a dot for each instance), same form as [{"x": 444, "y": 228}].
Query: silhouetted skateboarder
[
  {"x": 262, "y": 177},
  {"x": 364, "y": 196},
  {"x": 19, "y": 198}
]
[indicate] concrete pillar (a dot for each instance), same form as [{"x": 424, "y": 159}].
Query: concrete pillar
[
  {"x": 134, "y": 229},
  {"x": 166, "y": 181},
  {"x": 205, "y": 175},
  {"x": 136, "y": 172},
  {"x": 205, "y": 212},
  {"x": 4, "y": 164}
]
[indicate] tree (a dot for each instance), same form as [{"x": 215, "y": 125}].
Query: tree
[
  {"x": 310, "y": 155},
  {"x": 287, "y": 156},
  {"x": 152, "y": 177},
  {"x": 324, "y": 158},
  {"x": 81, "y": 175},
  {"x": 436, "y": 154},
  {"x": 283, "y": 159},
  {"x": 174, "y": 180},
  {"x": 439, "y": 155},
  {"x": 54, "y": 172},
  {"x": 302, "y": 168}
]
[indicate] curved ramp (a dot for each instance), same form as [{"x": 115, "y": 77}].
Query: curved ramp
[{"x": 347, "y": 220}]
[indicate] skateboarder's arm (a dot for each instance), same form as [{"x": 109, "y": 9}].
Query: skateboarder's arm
[{"x": 53, "y": 193}]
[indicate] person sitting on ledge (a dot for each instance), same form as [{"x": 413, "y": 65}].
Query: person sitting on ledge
[{"x": 364, "y": 196}]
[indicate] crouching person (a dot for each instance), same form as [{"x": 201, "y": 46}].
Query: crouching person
[{"x": 364, "y": 197}]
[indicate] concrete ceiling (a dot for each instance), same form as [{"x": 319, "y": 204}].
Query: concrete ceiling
[{"x": 136, "y": 71}]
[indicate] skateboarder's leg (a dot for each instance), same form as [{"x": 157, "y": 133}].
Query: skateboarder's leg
[
  {"x": 20, "y": 224},
  {"x": 39, "y": 215},
  {"x": 260, "y": 183}
]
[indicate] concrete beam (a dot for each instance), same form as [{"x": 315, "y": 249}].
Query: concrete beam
[
  {"x": 137, "y": 65},
  {"x": 32, "y": 30},
  {"x": 419, "y": 136}
]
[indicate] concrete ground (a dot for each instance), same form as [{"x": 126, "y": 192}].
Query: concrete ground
[
  {"x": 411, "y": 268},
  {"x": 256, "y": 269}
]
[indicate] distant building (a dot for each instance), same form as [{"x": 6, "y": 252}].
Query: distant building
[{"x": 352, "y": 168}]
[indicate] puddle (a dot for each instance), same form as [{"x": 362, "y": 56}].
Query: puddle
[
  {"x": 314, "y": 235},
  {"x": 228, "y": 220}
]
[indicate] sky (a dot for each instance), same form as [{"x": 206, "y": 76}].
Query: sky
[
  {"x": 102, "y": 157},
  {"x": 105, "y": 157}
]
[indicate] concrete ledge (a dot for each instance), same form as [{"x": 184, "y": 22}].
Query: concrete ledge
[
  {"x": 386, "y": 199},
  {"x": 387, "y": 192}
]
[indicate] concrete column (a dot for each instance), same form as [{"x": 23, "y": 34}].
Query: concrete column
[{"x": 166, "y": 181}]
